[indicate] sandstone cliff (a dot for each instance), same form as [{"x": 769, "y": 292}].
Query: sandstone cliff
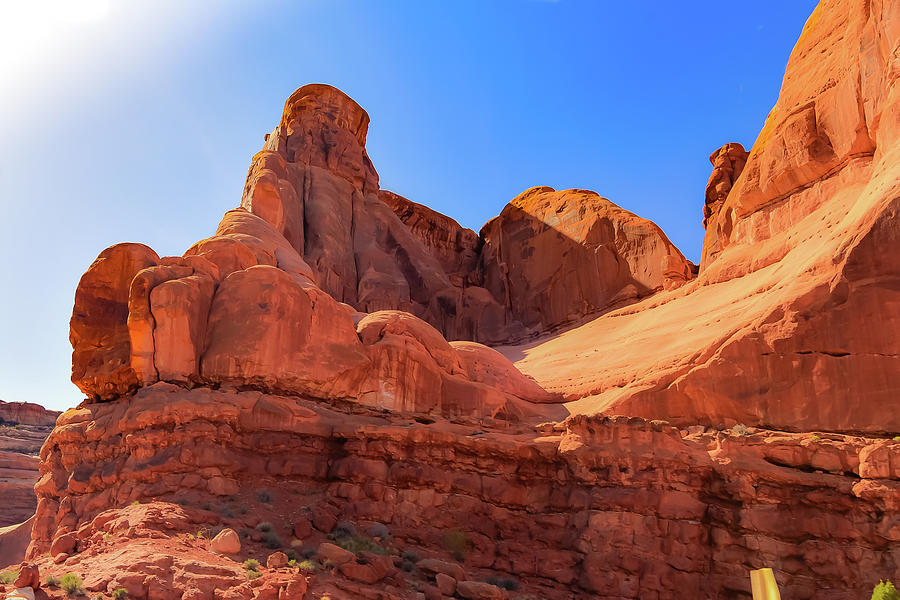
[
  {"x": 375, "y": 250},
  {"x": 23, "y": 428},
  {"x": 793, "y": 321}
]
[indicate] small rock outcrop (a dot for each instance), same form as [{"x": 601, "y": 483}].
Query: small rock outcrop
[{"x": 728, "y": 163}]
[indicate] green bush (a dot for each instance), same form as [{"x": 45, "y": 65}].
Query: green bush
[
  {"x": 8, "y": 576},
  {"x": 885, "y": 590},
  {"x": 251, "y": 564},
  {"x": 307, "y": 566},
  {"x": 51, "y": 581},
  {"x": 740, "y": 429},
  {"x": 120, "y": 594},
  {"x": 264, "y": 526},
  {"x": 251, "y": 574},
  {"x": 71, "y": 583}
]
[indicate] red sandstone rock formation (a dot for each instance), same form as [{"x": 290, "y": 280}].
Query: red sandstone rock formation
[
  {"x": 375, "y": 250},
  {"x": 557, "y": 256},
  {"x": 290, "y": 353},
  {"x": 617, "y": 507},
  {"x": 242, "y": 309},
  {"x": 793, "y": 321}
]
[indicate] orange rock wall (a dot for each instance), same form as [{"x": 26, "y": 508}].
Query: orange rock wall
[{"x": 616, "y": 507}]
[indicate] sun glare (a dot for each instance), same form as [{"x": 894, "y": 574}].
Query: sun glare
[{"x": 33, "y": 30}]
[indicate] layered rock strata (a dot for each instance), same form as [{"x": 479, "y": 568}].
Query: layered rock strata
[
  {"x": 23, "y": 428},
  {"x": 598, "y": 507}
]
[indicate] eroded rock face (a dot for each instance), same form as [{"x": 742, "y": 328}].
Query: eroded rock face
[
  {"x": 243, "y": 309},
  {"x": 555, "y": 256},
  {"x": 728, "y": 163},
  {"x": 792, "y": 321},
  {"x": 617, "y": 507},
  {"x": 376, "y": 250},
  {"x": 101, "y": 349},
  {"x": 23, "y": 428}
]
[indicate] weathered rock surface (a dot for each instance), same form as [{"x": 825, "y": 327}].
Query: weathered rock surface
[
  {"x": 23, "y": 428},
  {"x": 242, "y": 309},
  {"x": 616, "y": 507},
  {"x": 555, "y": 256},
  {"x": 376, "y": 250},
  {"x": 27, "y": 413},
  {"x": 728, "y": 163},
  {"x": 793, "y": 320}
]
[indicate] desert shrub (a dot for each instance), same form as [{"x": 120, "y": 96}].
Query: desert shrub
[
  {"x": 251, "y": 564},
  {"x": 264, "y": 526},
  {"x": 379, "y": 530},
  {"x": 136, "y": 503},
  {"x": 357, "y": 544},
  {"x": 344, "y": 529},
  {"x": 264, "y": 496},
  {"x": 740, "y": 429},
  {"x": 407, "y": 565},
  {"x": 8, "y": 576},
  {"x": 457, "y": 543},
  {"x": 71, "y": 583},
  {"x": 504, "y": 583},
  {"x": 816, "y": 437},
  {"x": 897, "y": 438},
  {"x": 273, "y": 541},
  {"x": 411, "y": 555},
  {"x": 885, "y": 590},
  {"x": 292, "y": 556},
  {"x": 307, "y": 566},
  {"x": 120, "y": 594},
  {"x": 251, "y": 574},
  {"x": 243, "y": 533},
  {"x": 51, "y": 581}
]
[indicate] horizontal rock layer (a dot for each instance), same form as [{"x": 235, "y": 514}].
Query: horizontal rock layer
[{"x": 614, "y": 507}]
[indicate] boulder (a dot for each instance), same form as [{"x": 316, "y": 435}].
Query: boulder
[
  {"x": 226, "y": 541},
  {"x": 336, "y": 554},
  {"x": 276, "y": 560}
]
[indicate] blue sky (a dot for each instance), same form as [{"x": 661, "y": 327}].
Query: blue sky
[{"x": 136, "y": 121}]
